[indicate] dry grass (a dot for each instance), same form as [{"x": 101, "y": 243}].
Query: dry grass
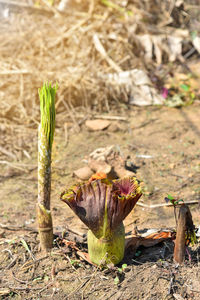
[{"x": 40, "y": 44}]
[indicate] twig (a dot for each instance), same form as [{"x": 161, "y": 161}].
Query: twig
[
  {"x": 28, "y": 264},
  {"x": 25, "y": 245},
  {"x": 14, "y": 72},
  {"x": 165, "y": 204},
  {"x": 19, "y": 6},
  {"x": 8, "y": 153},
  {"x": 53, "y": 9},
  {"x": 87, "y": 283},
  {"x": 20, "y": 288},
  {"x": 99, "y": 47},
  {"x": 17, "y": 228},
  {"x": 170, "y": 290},
  {"x": 75, "y": 232},
  {"x": 27, "y": 168},
  {"x": 8, "y": 250},
  {"x": 79, "y": 287},
  {"x": 19, "y": 280},
  {"x": 66, "y": 134},
  {"x": 110, "y": 117},
  {"x": 137, "y": 262},
  {"x": 12, "y": 263},
  {"x": 45, "y": 287},
  {"x": 69, "y": 33},
  {"x": 189, "y": 53}
]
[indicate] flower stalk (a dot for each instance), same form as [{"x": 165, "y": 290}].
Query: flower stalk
[{"x": 45, "y": 141}]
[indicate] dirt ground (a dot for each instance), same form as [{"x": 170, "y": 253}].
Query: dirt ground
[{"x": 163, "y": 145}]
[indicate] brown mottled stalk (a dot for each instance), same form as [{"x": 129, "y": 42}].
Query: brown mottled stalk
[
  {"x": 45, "y": 141},
  {"x": 184, "y": 224}
]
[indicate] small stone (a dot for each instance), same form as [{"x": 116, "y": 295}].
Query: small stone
[
  {"x": 98, "y": 124},
  {"x": 83, "y": 173}
]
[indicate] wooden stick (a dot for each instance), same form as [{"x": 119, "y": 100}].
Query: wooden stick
[
  {"x": 118, "y": 118},
  {"x": 184, "y": 223},
  {"x": 99, "y": 47},
  {"x": 8, "y": 153},
  {"x": 164, "y": 204},
  {"x": 14, "y": 72}
]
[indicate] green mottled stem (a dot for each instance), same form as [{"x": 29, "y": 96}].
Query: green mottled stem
[
  {"x": 107, "y": 249},
  {"x": 45, "y": 141},
  {"x": 44, "y": 170},
  {"x": 44, "y": 192}
]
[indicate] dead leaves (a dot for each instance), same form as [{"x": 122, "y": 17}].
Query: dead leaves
[
  {"x": 168, "y": 44},
  {"x": 134, "y": 242},
  {"x": 131, "y": 244}
]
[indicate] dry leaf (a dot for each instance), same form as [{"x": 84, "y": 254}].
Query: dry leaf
[
  {"x": 148, "y": 241},
  {"x": 137, "y": 84},
  {"x": 85, "y": 256},
  {"x": 70, "y": 244}
]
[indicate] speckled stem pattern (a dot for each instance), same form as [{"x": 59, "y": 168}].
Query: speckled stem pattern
[
  {"x": 44, "y": 170},
  {"x": 45, "y": 225}
]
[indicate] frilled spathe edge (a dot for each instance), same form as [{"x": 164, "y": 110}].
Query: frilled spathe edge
[{"x": 103, "y": 204}]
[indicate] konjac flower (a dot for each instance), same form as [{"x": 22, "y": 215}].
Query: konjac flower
[{"x": 102, "y": 205}]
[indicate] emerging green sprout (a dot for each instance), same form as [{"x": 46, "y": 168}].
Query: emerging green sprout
[
  {"x": 45, "y": 141},
  {"x": 102, "y": 205}
]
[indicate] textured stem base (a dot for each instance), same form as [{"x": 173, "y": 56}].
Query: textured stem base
[
  {"x": 45, "y": 228},
  {"x": 185, "y": 224},
  {"x": 109, "y": 249}
]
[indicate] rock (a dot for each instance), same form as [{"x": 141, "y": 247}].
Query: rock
[
  {"x": 97, "y": 124},
  {"x": 99, "y": 166},
  {"x": 83, "y": 173}
]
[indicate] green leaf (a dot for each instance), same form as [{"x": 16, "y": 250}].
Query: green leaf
[
  {"x": 117, "y": 7},
  {"x": 170, "y": 197},
  {"x": 185, "y": 87},
  {"x": 47, "y": 108},
  {"x": 24, "y": 243},
  {"x": 124, "y": 266},
  {"x": 116, "y": 280},
  {"x": 112, "y": 5},
  {"x": 37, "y": 278},
  {"x": 120, "y": 270}
]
